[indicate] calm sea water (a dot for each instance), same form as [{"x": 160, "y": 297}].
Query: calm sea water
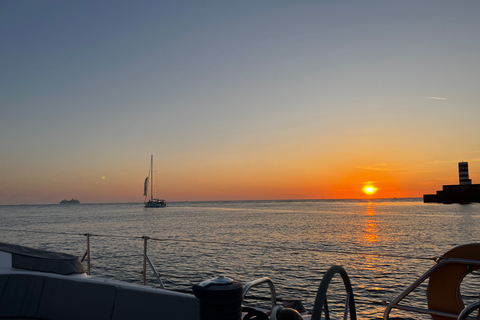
[{"x": 383, "y": 245}]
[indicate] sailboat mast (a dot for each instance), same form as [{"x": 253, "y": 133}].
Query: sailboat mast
[{"x": 151, "y": 177}]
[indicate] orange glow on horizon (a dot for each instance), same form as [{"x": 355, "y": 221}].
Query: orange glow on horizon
[
  {"x": 353, "y": 178},
  {"x": 223, "y": 180}
]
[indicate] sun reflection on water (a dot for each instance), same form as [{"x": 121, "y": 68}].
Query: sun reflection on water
[{"x": 370, "y": 227}]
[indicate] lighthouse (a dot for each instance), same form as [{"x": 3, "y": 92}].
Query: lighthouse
[
  {"x": 464, "y": 192},
  {"x": 463, "y": 173}
]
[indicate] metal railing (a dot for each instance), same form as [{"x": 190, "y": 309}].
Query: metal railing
[
  {"x": 87, "y": 253},
  {"x": 464, "y": 315},
  {"x": 146, "y": 260},
  {"x": 395, "y": 303},
  {"x": 321, "y": 298},
  {"x": 257, "y": 282}
]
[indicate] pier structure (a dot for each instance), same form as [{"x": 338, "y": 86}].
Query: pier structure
[{"x": 464, "y": 192}]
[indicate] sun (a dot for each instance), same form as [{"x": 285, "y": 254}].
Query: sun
[{"x": 369, "y": 189}]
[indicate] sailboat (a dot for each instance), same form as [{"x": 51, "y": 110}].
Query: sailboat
[{"x": 151, "y": 203}]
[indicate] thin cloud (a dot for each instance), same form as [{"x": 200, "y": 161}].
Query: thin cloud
[
  {"x": 436, "y": 98},
  {"x": 453, "y": 161},
  {"x": 442, "y": 161},
  {"x": 380, "y": 167}
]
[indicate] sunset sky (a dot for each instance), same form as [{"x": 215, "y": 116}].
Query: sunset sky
[{"x": 236, "y": 100}]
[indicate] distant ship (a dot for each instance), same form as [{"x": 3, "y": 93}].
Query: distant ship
[
  {"x": 73, "y": 201},
  {"x": 464, "y": 192}
]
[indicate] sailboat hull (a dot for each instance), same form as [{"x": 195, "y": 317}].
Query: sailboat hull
[{"x": 155, "y": 203}]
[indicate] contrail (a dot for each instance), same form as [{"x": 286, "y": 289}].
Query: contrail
[{"x": 436, "y": 98}]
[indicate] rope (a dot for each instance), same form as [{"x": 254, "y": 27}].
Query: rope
[
  {"x": 235, "y": 244},
  {"x": 296, "y": 249},
  {"x": 73, "y": 234}
]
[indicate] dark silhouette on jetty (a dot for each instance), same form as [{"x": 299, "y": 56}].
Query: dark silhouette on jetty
[{"x": 464, "y": 192}]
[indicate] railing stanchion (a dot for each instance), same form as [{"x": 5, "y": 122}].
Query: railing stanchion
[
  {"x": 88, "y": 253},
  {"x": 144, "y": 274}
]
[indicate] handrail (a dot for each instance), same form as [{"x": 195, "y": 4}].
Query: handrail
[
  {"x": 465, "y": 312},
  {"x": 321, "y": 298},
  {"x": 257, "y": 282},
  {"x": 394, "y": 304}
]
